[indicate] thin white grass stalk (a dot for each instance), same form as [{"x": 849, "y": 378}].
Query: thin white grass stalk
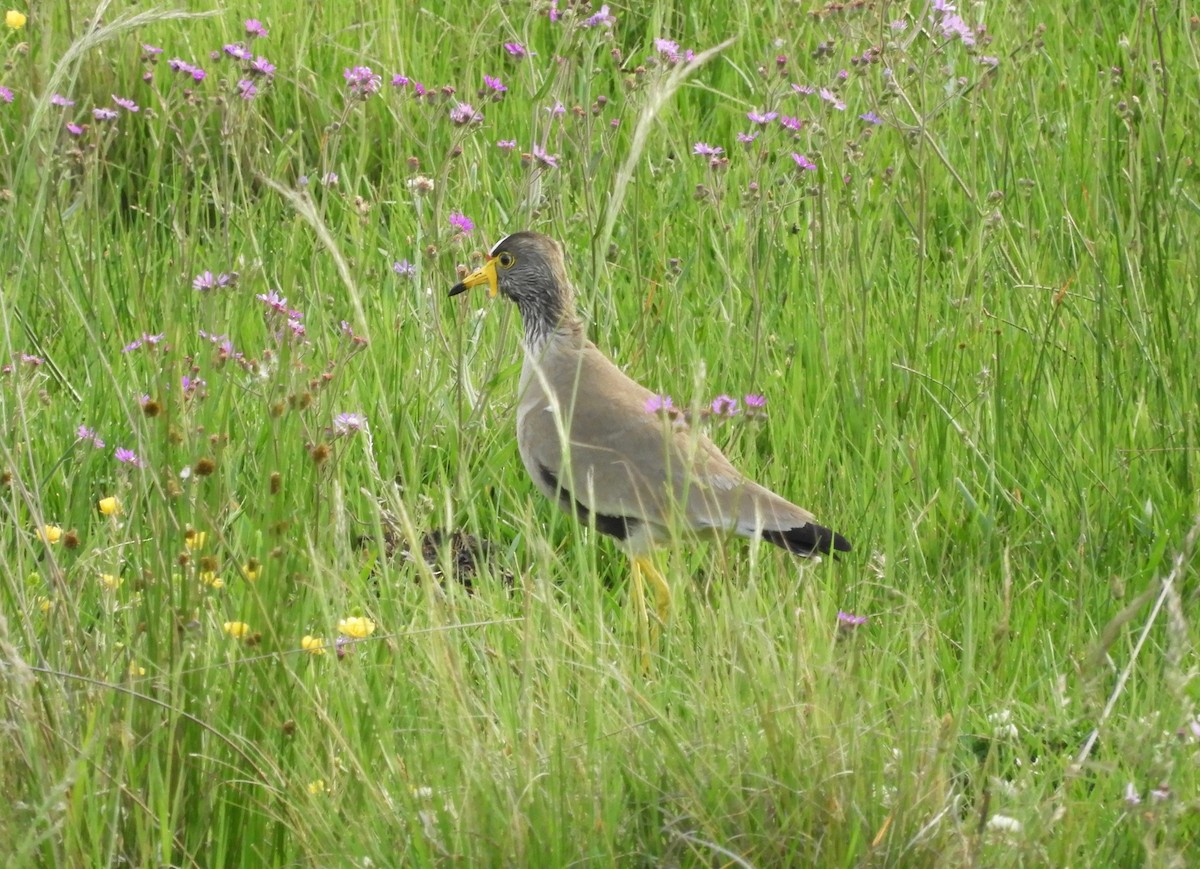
[
  {"x": 303, "y": 205},
  {"x": 659, "y": 97},
  {"x": 1166, "y": 587}
]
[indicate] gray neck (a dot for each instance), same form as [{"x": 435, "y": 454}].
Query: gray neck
[{"x": 549, "y": 319}]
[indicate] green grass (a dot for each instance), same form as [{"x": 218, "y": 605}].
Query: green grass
[{"x": 975, "y": 325}]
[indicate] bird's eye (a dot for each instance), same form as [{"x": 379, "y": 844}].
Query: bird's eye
[{"x": 506, "y": 260}]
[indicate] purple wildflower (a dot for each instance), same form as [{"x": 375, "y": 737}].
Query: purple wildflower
[
  {"x": 404, "y": 268},
  {"x": 544, "y": 158},
  {"x": 32, "y": 361},
  {"x": 274, "y": 301},
  {"x": 84, "y": 433},
  {"x": 247, "y": 89},
  {"x": 191, "y": 384},
  {"x": 348, "y": 423},
  {"x": 74, "y": 129},
  {"x": 725, "y": 405},
  {"x": 552, "y": 13},
  {"x": 255, "y": 28},
  {"x": 5, "y": 94},
  {"x": 183, "y": 66},
  {"x": 849, "y": 620},
  {"x": 755, "y": 401},
  {"x": 238, "y": 52},
  {"x": 804, "y": 90},
  {"x": 1131, "y": 795},
  {"x": 204, "y": 281},
  {"x": 461, "y": 222},
  {"x": 832, "y": 98},
  {"x": 516, "y": 49},
  {"x": 463, "y": 114},
  {"x": 418, "y": 89},
  {"x": 988, "y": 61},
  {"x": 746, "y": 138},
  {"x": 507, "y": 144},
  {"x": 329, "y": 179},
  {"x": 659, "y": 403},
  {"x": 60, "y": 100},
  {"x": 899, "y": 25},
  {"x": 703, "y": 149},
  {"x": 557, "y": 109},
  {"x": 762, "y": 118},
  {"x": 146, "y": 340},
  {"x": 794, "y": 124},
  {"x": 128, "y": 457},
  {"x": 669, "y": 49},
  {"x": 804, "y": 163},
  {"x": 953, "y": 26},
  {"x": 602, "y": 17},
  {"x": 871, "y": 118},
  {"x": 494, "y": 84},
  {"x": 399, "y": 81},
  {"x": 151, "y": 49},
  {"x": 361, "y": 81},
  {"x": 262, "y": 66},
  {"x": 842, "y": 75},
  {"x": 104, "y": 114}
]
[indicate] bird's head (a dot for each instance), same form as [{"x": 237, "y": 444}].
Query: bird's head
[{"x": 527, "y": 267}]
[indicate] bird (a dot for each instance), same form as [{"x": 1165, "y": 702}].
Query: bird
[{"x": 591, "y": 441}]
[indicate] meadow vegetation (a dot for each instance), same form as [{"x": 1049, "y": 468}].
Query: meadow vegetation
[{"x": 245, "y": 435}]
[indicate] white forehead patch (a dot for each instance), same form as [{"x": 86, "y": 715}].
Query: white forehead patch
[{"x": 496, "y": 247}]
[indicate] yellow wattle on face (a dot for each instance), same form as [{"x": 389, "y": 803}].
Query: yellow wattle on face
[{"x": 485, "y": 274}]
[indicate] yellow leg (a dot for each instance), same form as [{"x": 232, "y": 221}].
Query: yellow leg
[
  {"x": 662, "y": 593},
  {"x": 637, "y": 593}
]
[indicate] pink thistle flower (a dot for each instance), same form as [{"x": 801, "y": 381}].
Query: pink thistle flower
[
  {"x": 755, "y": 401},
  {"x": 255, "y": 29},
  {"x": 128, "y": 457},
  {"x": 494, "y": 84},
  {"x": 74, "y": 129},
  {"x": 703, "y": 149},
  {"x": 543, "y": 158},
  {"x": 746, "y": 138},
  {"x": 832, "y": 98},
  {"x": 104, "y": 114},
  {"x": 463, "y": 114},
  {"x": 659, "y": 404},
  {"x": 507, "y": 144},
  {"x": 348, "y": 423},
  {"x": 804, "y": 90},
  {"x": 361, "y": 81},
  {"x": 516, "y": 49},
  {"x": 238, "y": 52},
  {"x": 804, "y": 163},
  {"x": 762, "y": 118},
  {"x": 83, "y": 433},
  {"x": 725, "y": 405},
  {"x": 60, "y": 100},
  {"x": 461, "y": 222},
  {"x": 247, "y": 89},
  {"x": 262, "y": 66},
  {"x": 601, "y": 18}
]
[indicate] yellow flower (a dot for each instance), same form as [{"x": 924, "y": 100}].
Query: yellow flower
[
  {"x": 50, "y": 534},
  {"x": 357, "y": 627},
  {"x": 252, "y": 569},
  {"x": 110, "y": 582},
  {"x": 317, "y": 786},
  {"x": 109, "y": 506},
  {"x": 44, "y": 604},
  {"x": 210, "y": 578},
  {"x": 135, "y": 670},
  {"x": 236, "y": 629},
  {"x": 194, "y": 539},
  {"x": 313, "y": 645},
  {"x": 14, "y": 19}
]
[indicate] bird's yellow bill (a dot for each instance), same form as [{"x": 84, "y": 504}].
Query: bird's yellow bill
[{"x": 485, "y": 274}]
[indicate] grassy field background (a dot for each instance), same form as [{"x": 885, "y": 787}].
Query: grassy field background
[{"x": 956, "y": 252}]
